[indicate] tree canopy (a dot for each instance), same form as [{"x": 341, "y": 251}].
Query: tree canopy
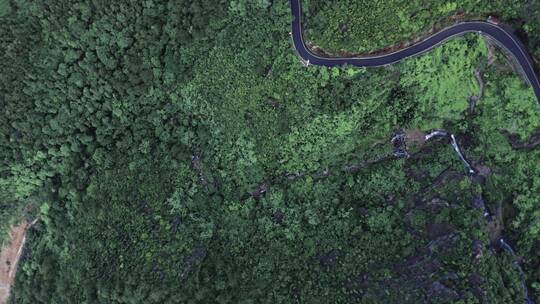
[{"x": 178, "y": 152}]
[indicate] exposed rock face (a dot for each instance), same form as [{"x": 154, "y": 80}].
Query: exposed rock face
[
  {"x": 261, "y": 189},
  {"x": 436, "y": 230},
  {"x": 438, "y": 291},
  {"x": 329, "y": 259},
  {"x": 528, "y": 144},
  {"x": 415, "y": 139},
  {"x": 197, "y": 167},
  {"x": 175, "y": 223},
  {"x": 197, "y": 255},
  {"x": 278, "y": 217},
  {"x": 476, "y": 280}
]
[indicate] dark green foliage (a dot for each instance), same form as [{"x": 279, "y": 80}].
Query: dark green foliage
[
  {"x": 177, "y": 151},
  {"x": 369, "y": 25}
]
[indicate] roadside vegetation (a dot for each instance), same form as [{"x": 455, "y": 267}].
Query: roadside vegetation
[
  {"x": 179, "y": 152},
  {"x": 369, "y": 25}
]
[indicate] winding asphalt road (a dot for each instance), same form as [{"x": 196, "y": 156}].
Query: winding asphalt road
[{"x": 502, "y": 36}]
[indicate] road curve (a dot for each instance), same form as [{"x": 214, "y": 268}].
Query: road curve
[{"x": 503, "y": 37}]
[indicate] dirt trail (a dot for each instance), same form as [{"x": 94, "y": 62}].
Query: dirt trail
[{"x": 9, "y": 256}]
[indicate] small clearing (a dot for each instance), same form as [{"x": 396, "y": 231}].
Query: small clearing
[{"x": 9, "y": 256}]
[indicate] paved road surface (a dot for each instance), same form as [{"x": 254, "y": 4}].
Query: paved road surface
[{"x": 500, "y": 34}]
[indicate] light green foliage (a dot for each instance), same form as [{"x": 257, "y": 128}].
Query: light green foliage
[
  {"x": 443, "y": 80},
  {"x": 522, "y": 104},
  {"x": 315, "y": 144},
  {"x": 5, "y": 8}
]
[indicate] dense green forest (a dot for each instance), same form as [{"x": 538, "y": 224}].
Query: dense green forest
[
  {"x": 179, "y": 152},
  {"x": 346, "y": 25}
]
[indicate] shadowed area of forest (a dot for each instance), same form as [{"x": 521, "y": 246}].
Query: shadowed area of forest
[{"x": 178, "y": 152}]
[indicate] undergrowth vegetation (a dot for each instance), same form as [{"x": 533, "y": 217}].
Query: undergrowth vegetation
[
  {"x": 178, "y": 152},
  {"x": 369, "y": 25}
]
